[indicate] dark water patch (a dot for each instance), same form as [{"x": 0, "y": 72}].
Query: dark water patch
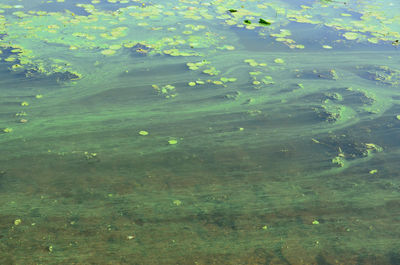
[
  {"x": 107, "y": 6},
  {"x": 140, "y": 50},
  {"x": 253, "y": 42},
  {"x": 381, "y": 74},
  {"x": 157, "y": 71},
  {"x": 121, "y": 96},
  {"x": 64, "y": 6},
  {"x": 303, "y": 33}
]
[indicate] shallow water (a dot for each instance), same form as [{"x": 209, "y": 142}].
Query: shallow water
[{"x": 274, "y": 143}]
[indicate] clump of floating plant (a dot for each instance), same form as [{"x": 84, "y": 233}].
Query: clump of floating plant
[
  {"x": 228, "y": 79},
  {"x": 254, "y": 112},
  {"x": 226, "y": 47},
  {"x": 197, "y": 65},
  {"x": 373, "y": 148},
  {"x": 7, "y": 130},
  {"x": 329, "y": 112},
  {"x": 253, "y": 63},
  {"x": 348, "y": 147},
  {"x": 267, "y": 80},
  {"x": 329, "y": 74},
  {"x": 282, "y": 37},
  {"x": 167, "y": 91},
  {"x": 195, "y": 27},
  {"x": 176, "y": 52},
  {"x": 382, "y": 74},
  {"x": 211, "y": 71},
  {"x": 257, "y": 75},
  {"x": 21, "y": 114},
  {"x": 198, "y": 82},
  {"x": 204, "y": 40},
  {"x": 333, "y": 96},
  {"x": 234, "y": 95},
  {"x": 339, "y": 161},
  {"x": 22, "y": 62},
  {"x": 91, "y": 156}
]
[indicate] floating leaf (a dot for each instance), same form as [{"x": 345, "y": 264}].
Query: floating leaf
[
  {"x": 351, "y": 35},
  {"x": 143, "y": 133},
  {"x": 173, "y": 141},
  {"x": 264, "y": 22}
]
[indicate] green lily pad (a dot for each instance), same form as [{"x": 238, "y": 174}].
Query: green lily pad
[
  {"x": 172, "y": 141},
  {"x": 143, "y": 133}
]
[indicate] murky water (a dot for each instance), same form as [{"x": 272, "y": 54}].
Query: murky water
[{"x": 199, "y": 132}]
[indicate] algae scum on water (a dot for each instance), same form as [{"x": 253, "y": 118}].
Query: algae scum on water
[{"x": 199, "y": 132}]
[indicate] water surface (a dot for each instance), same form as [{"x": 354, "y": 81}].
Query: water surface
[{"x": 199, "y": 132}]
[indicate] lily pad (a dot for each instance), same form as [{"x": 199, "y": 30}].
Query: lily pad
[
  {"x": 143, "y": 133},
  {"x": 172, "y": 141}
]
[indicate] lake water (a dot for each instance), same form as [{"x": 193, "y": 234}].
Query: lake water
[{"x": 199, "y": 132}]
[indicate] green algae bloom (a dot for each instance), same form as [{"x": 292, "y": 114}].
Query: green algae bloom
[{"x": 208, "y": 71}]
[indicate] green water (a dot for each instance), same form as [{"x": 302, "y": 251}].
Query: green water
[{"x": 173, "y": 132}]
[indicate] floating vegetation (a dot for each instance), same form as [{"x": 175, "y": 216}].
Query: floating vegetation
[
  {"x": 143, "y": 133},
  {"x": 197, "y": 65},
  {"x": 329, "y": 112},
  {"x": 264, "y": 22},
  {"x": 7, "y": 130},
  {"x": 316, "y": 74},
  {"x": 233, "y": 95},
  {"x": 211, "y": 71},
  {"x": 167, "y": 91},
  {"x": 381, "y": 74},
  {"x": 172, "y": 141}
]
